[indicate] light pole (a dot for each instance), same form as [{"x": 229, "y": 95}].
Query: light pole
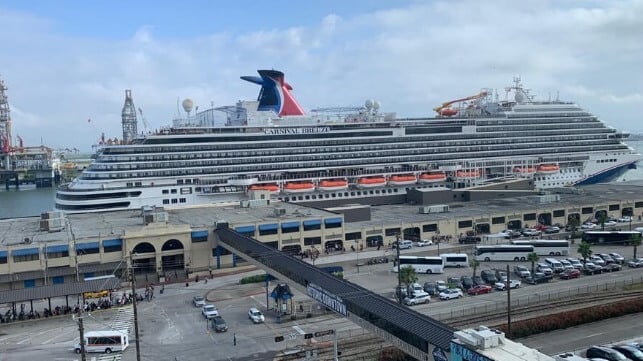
[
  {"x": 399, "y": 275},
  {"x": 357, "y": 254}
]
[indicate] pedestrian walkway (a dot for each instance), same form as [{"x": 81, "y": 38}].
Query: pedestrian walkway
[
  {"x": 124, "y": 319},
  {"x": 108, "y": 357}
]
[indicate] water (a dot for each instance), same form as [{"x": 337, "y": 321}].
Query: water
[{"x": 30, "y": 201}]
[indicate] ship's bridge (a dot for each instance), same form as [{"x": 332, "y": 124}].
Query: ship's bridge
[{"x": 412, "y": 332}]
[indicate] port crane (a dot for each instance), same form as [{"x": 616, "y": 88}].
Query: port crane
[{"x": 445, "y": 109}]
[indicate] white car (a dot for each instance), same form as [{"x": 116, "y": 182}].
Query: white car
[
  {"x": 255, "y": 315},
  {"x": 424, "y": 242},
  {"x": 501, "y": 286},
  {"x": 609, "y": 223},
  {"x": 417, "y": 298},
  {"x": 531, "y": 232},
  {"x": 625, "y": 219},
  {"x": 209, "y": 311},
  {"x": 198, "y": 301},
  {"x": 441, "y": 285},
  {"x": 617, "y": 257},
  {"x": 588, "y": 226},
  {"x": 450, "y": 294}
]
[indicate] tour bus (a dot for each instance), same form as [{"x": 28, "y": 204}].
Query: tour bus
[
  {"x": 610, "y": 237},
  {"x": 455, "y": 259},
  {"x": 104, "y": 341},
  {"x": 503, "y": 252},
  {"x": 546, "y": 247},
  {"x": 430, "y": 264}
]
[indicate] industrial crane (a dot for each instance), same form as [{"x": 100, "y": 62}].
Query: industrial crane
[{"x": 446, "y": 110}]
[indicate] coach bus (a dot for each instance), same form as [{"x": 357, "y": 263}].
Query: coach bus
[
  {"x": 546, "y": 247},
  {"x": 503, "y": 252},
  {"x": 610, "y": 237},
  {"x": 428, "y": 265}
]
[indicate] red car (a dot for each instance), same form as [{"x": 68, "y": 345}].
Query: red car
[
  {"x": 569, "y": 274},
  {"x": 480, "y": 289}
]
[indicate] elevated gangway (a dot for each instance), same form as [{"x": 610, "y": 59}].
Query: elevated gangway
[{"x": 414, "y": 333}]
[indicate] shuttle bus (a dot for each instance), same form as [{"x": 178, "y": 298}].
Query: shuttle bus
[
  {"x": 546, "y": 247},
  {"x": 426, "y": 265},
  {"x": 503, "y": 252},
  {"x": 610, "y": 237},
  {"x": 455, "y": 259},
  {"x": 104, "y": 341}
]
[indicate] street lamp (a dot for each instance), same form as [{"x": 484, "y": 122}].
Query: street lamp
[
  {"x": 357, "y": 254},
  {"x": 399, "y": 274}
]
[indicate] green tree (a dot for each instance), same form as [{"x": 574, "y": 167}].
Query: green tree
[
  {"x": 573, "y": 222},
  {"x": 533, "y": 258},
  {"x": 408, "y": 276},
  {"x": 602, "y": 218},
  {"x": 635, "y": 241},
  {"x": 585, "y": 250},
  {"x": 473, "y": 263}
]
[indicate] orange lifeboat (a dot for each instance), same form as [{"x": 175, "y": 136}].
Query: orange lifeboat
[
  {"x": 448, "y": 112},
  {"x": 371, "y": 182},
  {"x": 332, "y": 185},
  {"x": 468, "y": 174},
  {"x": 433, "y": 177},
  {"x": 524, "y": 170},
  {"x": 548, "y": 168},
  {"x": 403, "y": 179},
  {"x": 298, "y": 187},
  {"x": 272, "y": 188}
]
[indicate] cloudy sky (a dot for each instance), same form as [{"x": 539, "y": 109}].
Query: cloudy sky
[{"x": 66, "y": 61}]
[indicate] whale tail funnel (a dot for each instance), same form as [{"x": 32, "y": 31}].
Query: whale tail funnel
[{"x": 275, "y": 93}]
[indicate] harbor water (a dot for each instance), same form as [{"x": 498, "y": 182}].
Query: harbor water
[{"x": 31, "y": 201}]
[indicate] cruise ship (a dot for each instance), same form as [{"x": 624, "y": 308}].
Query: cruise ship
[{"x": 272, "y": 146}]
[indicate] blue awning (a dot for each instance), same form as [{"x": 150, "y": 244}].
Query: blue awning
[
  {"x": 3, "y": 254},
  {"x": 86, "y": 246},
  {"x": 199, "y": 234},
  {"x": 312, "y": 222},
  {"x": 112, "y": 242},
  {"x": 245, "y": 229},
  {"x": 24, "y": 252},
  {"x": 57, "y": 248},
  {"x": 268, "y": 227},
  {"x": 333, "y": 220},
  {"x": 289, "y": 225}
]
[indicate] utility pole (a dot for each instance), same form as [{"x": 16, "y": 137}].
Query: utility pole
[
  {"x": 134, "y": 301},
  {"x": 399, "y": 274},
  {"x": 508, "y": 303},
  {"x": 81, "y": 329}
]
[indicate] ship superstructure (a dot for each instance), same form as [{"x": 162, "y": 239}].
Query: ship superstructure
[{"x": 272, "y": 145}]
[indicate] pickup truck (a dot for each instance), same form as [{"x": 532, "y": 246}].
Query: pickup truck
[{"x": 501, "y": 286}]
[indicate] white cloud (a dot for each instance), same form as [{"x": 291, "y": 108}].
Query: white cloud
[{"x": 409, "y": 58}]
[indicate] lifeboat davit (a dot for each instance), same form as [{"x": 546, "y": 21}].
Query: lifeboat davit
[
  {"x": 371, "y": 182},
  {"x": 433, "y": 177},
  {"x": 298, "y": 187},
  {"x": 524, "y": 170},
  {"x": 548, "y": 168},
  {"x": 448, "y": 112},
  {"x": 332, "y": 185},
  {"x": 272, "y": 188},
  {"x": 402, "y": 180},
  {"x": 468, "y": 174}
]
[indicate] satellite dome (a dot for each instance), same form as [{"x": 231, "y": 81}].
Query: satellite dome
[
  {"x": 376, "y": 105},
  {"x": 368, "y": 103},
  {"x": 187, "y": 105},
  {"x": 520, "y": 97}
]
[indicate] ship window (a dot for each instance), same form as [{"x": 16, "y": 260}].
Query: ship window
[
  {"x": 174, "y": 201},
  {"x": 165, "y": 191},
  {"x": 129, "y": 184},
  {"x": 182, "y": 200},
  {"x": 166, "y": 201},
  {"x": 173, "y": 191}
]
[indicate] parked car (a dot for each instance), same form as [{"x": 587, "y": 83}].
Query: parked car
[
  {"x": 450, "y": 294},
  {"x": 469, "y": 239},
  {"x": 625, "y": 219},
  {"x": 552, "y": 229},
  {"x": 477, "y": 281},
  {"x": 635, "y": 263},
  {"x": 537, "y": 277},
  {"x": 609, "y": 223},
  {"x": 588, "y": 226},
  {"x": 501, "y": 286},
  {"x": 424, "y": 242},
  {"x": 454, "y": 282},
  {"x": 430, "y": 288},
  {"x": 466, "y": 282},
  {"x": 441, "y": 285},
  {"x": 478, "y": 290},
  {"x": 591, "y": 269},
  {"x": 611, "y": 267},
  {"x": 607, "y": 258},
  {"x": 569, "y": 274},
  {"x": 400, "y": 292},
  {"x": 404, "y": 244},
  {"x": 219, "y": 324},
  {"x": 595, "y": 259},
  {"x": 198, "y": 301},
  {"x": 631, "y": 352},
  {"x": 605, "y": 352},
  {"x": 501, "y": 275},
  {"x": 617, "y": 257},
  {"x": 209, "y": 311},
  {"x": 566, "y": 264},
  {"x": 255, "y": 315},
  {"x": 530, "y": 232},
  {"x": 417, "y": 298},
  {"x": 521, "y": 271},
  {"x": 544, "y": 268},
  {"x": 576, "y": 263},
  {"x": 489, "y": 276}
]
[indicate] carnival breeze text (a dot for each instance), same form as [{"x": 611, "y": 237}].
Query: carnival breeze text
[{"x": 297, "y": 130}]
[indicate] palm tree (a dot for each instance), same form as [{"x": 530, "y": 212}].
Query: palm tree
[
  {"x": 408, "y": 276},
  {"x": 473, "y": 263},
  {"x": 635, "y": 241},
  {"x": 533, "y": 258},
  {"x": 574, "y": 222},
  {"x": 602, "y": 218},
  {"x": 585, "y": 250}
]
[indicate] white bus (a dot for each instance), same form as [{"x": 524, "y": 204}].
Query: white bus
[
  {"x": 104, "y": 341},
  {"x": 503, "y": 252},
  {"x": 455, "y": 259},
  {"x": 546, "y": 247},
  {"x": 426, "y": 265}
]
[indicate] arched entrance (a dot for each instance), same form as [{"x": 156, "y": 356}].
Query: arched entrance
[
  {"x": 172, "y": 255},
  {"x": 483, "y": 228},
  {"x": 144, "y": 260},
  {"x": 412, "y": 234},
  {"x": 515, "y": 224},
  {"x": 544, "y": 219},
  {"x": 333, "y": 245}
]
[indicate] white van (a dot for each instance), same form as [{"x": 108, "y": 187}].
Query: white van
[
  {"x": 104, "y": 341},
  {"x": 455, "y": 259},
  {"x": 406, "y": 244},
  {"x": 555, "y": 265}
]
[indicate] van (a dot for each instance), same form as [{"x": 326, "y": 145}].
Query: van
[
  {"x": 455, "y": 259},
  {"x": 555, "y": 265},
  {"x": 405, "y": 244}
]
